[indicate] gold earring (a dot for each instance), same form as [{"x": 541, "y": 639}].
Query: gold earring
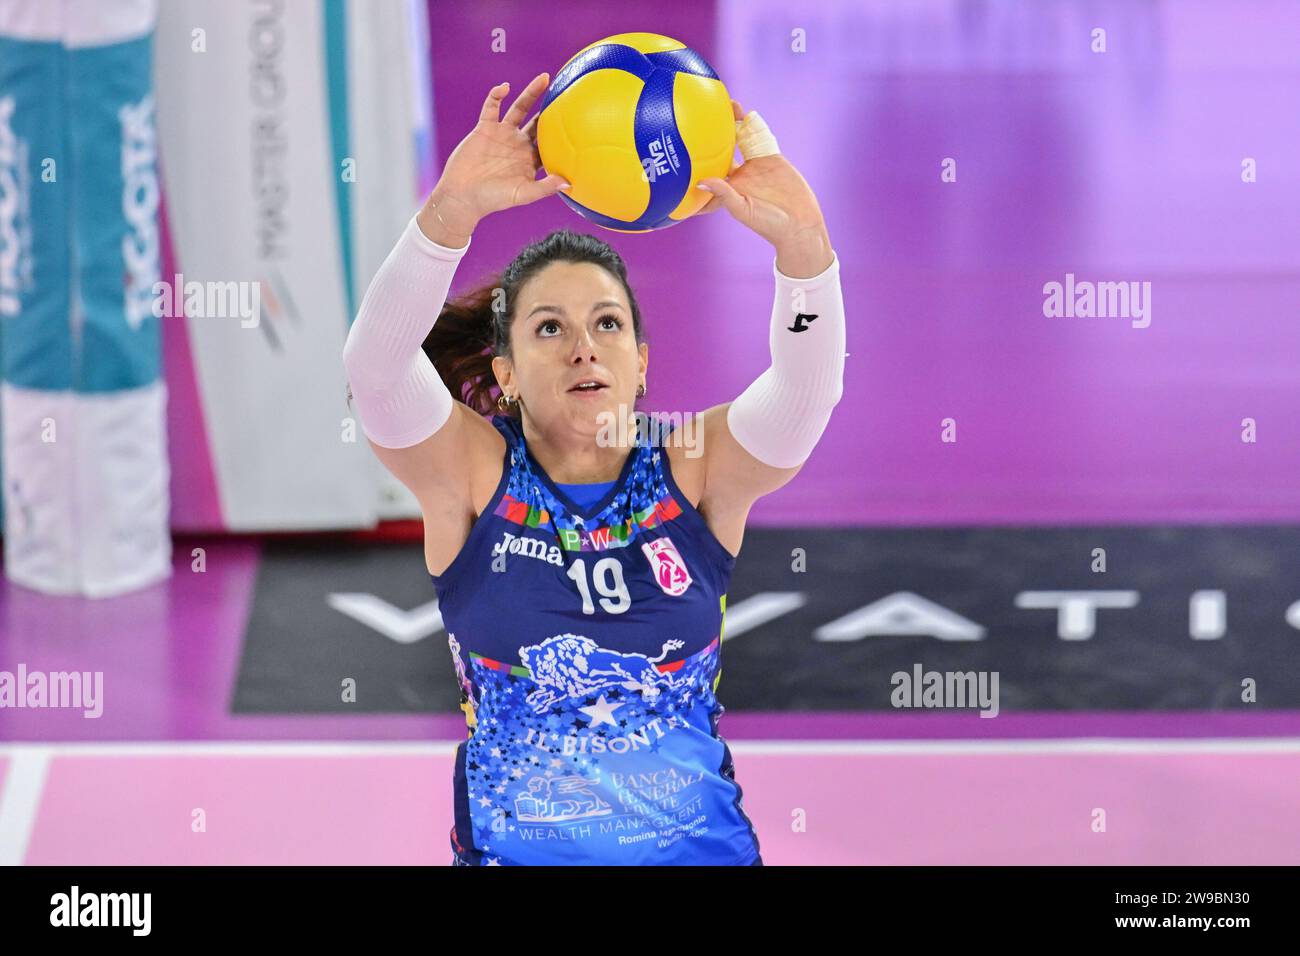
[
  {"x": 504, "y": 402},
  {"x": 640, "y": 390}
]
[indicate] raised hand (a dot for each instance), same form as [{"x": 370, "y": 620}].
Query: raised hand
[
  {"x": 768, "y": 195},
  {"x": 493, "y": 168}
]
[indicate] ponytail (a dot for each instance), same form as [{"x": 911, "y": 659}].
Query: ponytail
[{"x": 461, "y": 347}]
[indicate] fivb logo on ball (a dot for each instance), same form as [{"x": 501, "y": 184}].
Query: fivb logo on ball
[
  {"x": 662, "y": 159},
  {"x": 139, "y": 208},
  {"x": 15, "y": 213}
]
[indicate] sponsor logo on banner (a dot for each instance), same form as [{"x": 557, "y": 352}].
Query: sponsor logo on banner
[
  {"x": 140, "y": 209},
  {"x": 15, "y": 214}
]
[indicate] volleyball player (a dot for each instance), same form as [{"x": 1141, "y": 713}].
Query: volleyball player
[{"x": 582, "y": 580}]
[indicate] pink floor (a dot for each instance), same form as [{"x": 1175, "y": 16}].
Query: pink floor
[{"x": 1198, "y": 803}]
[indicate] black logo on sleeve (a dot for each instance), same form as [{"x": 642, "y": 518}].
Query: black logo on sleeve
[{"x": 799, "y": 321}]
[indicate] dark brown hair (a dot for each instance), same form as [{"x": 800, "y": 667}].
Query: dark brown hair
[{"x": 475, "y": 327}]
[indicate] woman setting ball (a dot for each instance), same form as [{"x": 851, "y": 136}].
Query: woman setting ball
[{"x": 583, "y": 582}]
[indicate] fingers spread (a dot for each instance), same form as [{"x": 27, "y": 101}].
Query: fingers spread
[
  {"x": 539, "y": 189},
  {"x": 713, "y": 205},
  {"x": 527, "y": 98},
  {"x": 727, "y": 197},
  {"x": 530, "y": 130},
  {"x": 492, "y": 105}
]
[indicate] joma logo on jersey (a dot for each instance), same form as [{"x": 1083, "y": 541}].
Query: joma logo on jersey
[{"x": 528, "y": 547}]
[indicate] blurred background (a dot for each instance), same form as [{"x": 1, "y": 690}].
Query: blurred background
[{"x": 1101, "y": 509}]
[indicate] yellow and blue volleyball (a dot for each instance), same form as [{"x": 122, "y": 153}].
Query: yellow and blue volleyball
[{"x": 634, "y": 122}]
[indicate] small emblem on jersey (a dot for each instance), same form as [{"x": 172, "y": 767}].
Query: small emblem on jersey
[
  {"x": 559, "y": 800},
  {"x": 667, "y": 564}
]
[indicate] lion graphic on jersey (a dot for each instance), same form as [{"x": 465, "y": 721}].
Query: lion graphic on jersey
[{"x": 570, "y": 665}]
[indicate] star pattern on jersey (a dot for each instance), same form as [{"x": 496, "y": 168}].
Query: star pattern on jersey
[
  {"x": 553, "y": 758},
  {"x": 601, "y": 712}
]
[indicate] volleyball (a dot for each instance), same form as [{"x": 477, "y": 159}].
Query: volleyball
[{"x": 634, "y": 122}]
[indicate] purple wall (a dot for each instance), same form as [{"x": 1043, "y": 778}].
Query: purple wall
[{"x": 1115, "y": 166}]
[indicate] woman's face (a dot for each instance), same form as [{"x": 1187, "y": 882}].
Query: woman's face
[{"x": 573, "y": 323}]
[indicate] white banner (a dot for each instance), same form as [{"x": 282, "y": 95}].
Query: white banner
[{"x": 289, "y": 165}]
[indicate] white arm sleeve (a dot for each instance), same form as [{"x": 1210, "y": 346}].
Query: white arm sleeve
[
  {"x": 399, "y": 397},
  {"x": 780, "y": 417}
]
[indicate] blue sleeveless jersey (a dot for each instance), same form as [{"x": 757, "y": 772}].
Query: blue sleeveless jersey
[{"x": 586, "y": 642}]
